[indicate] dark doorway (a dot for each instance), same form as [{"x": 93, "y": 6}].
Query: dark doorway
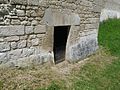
[{"x": 60, "y": 40}]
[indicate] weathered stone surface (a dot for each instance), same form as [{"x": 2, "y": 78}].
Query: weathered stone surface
[
  {"x": 15, "y": 54},
  {"x": 12, "y": 38},
  {"x": 40, "y": 35},
  {"x": 35, "y": 42},
  {"x": 60, "y": 19},
  {"x": 97, "y": 8},
  {"x": 100, "y": 2},
  {"x": 26, "y": 23},
  {"x": 23, "y": 37},
  {"x": 34, "y": 23},
  {"x": 29, "y": 29},
  {"x": 22, "y": 44},
  {"x": 27, "y": 61},
  {"x": 15, "y": 22},
  {"x": 33, "y": 2},
  {"x": 23, "y": 7},
  {"x": 37, "y": 50},
  {"x": 3, "y": 58},
  {"x": 28, "y": 13},
  {"x": 32, "y": 37},
  {"x": 18, "y": 6},
  {"x": 11, "y": 30},
  {"x": 3, "y": 1},
  {"x": 33, "y": 13},
  {"x": 4, "y": 46},
  {"x": 1, "y": 39},
  {"x": 13, "y": 45},
  {"x": 40, "y": 12},
  {"x": 27, "y": 52},
  {"x": 40, "y": 29},
  {"x": 7, "y": 21},
  {"x": 18, "y": 2},
  {"x": 86, "y": 46},
  {"x": 20, "y": 12}
]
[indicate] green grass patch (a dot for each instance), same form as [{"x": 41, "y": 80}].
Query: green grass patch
[
  {"x": 109, "y": 36},
  {"x": 1, "y": 85},
  {"x": 53, "y": 86}
]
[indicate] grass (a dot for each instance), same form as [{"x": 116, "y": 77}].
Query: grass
[
  {"x": 100, "y": 71},
  {"x": 109, "y": 36}
]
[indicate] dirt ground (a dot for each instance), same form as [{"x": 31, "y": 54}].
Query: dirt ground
[{"x": 34, "y": 77}]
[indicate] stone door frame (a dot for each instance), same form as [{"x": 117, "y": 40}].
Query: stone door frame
[{"x": 56, "y": 18}]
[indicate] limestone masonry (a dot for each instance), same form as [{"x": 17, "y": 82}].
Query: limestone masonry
[{"x": 27, "y": 30}]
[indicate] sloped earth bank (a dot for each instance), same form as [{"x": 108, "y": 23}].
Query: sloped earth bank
[{"x": 63, "y": 75}]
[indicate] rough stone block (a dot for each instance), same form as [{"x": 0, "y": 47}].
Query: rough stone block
[
  {"x": 37, "y": 49},
  {"x": 32, "y": 36},
  {"x": 23, "y": 7},
  {"x": 18, "y": 6},
  {"x": 13, "y": 45},
  {"x": 28, "y": 13},
  {"x": 12, "y": 38},
  {"x": 22, "y": 44},
  {"x": 15, "y": 22},
  {"x": 40, "y": 29},
  {"x": 23, "y": 37},
  {"x": 24, "y": 2},
  {"x": 3, "y": 1},
  {"x": 33, "y": 13},
  {"x": 35, "y": 42},
  {"x": 1, "y": 39},
  {"x": 27, "y": 52},
  {"x": 20, "y": 13},
  {"x": 40, "y": 35},
  {"x": 15, "y": 54},
  {"x": 7, "y": 22},
  {"x": 33, "y": 2},
  {"x": 29, "y": 29},
  {"x": 87, "y": 45},
  {"x": 100, "y": 2},
  {"x": 4, "y": 46},
  {"x": 34, "y": 23},
  {"x": 3, "y": 58},
  {"x": 97, "y": 8},
  {"x": 11, "y": 30},
  {"x": 55, "y": 18}
]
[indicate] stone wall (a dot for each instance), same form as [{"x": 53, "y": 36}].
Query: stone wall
[
  {"x": 26, "y": 29},
  {"x": 110, "y": 10}
]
